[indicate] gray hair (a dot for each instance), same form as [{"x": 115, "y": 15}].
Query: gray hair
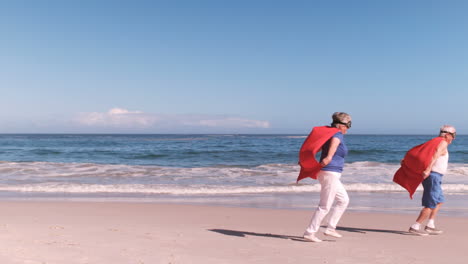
[
  {"x": 340, "y": 117},
  {"x": 447, "y": 128}
]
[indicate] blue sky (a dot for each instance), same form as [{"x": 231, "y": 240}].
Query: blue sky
[{"x": 232, "y": 66}]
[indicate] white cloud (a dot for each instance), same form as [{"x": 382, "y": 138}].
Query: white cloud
[
  {"x": 117, "y": 117},
  {"x": 120, "y": 111},
  {"x": 233, "y": 122},
  {"x": 123, "y": 118}
]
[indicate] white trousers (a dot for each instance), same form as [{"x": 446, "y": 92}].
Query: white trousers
[{"x": 332, "y": 189}]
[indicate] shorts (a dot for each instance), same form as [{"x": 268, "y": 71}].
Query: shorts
[{"x": 433, "y": 194}]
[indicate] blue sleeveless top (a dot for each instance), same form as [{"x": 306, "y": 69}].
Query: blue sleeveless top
[{"x": 337, "y": 162}]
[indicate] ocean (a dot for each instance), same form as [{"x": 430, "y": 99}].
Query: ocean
[{"x": 229, "y": 170}]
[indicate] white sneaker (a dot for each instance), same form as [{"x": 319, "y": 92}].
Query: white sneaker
[
  {"x": 433, "y": 230},
  {"x": 332, "y": 232},
  {"x": 311, "y": 237},
  {"x": 417, "y": 232}
]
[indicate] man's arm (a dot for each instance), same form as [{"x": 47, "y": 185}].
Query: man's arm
[{"x": 441, "y": 149}]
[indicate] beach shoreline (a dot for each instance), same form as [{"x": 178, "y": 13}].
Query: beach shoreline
[
  {"x": 132, "y": 232},
  {"x": 376, "y": 202}
]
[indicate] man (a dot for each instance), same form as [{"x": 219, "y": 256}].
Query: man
[{"x": 430, "y": 160}]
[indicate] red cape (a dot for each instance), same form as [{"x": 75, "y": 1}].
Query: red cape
[
  {"x": 311, "y": 146},
  {"x": 416, "y": 160}
]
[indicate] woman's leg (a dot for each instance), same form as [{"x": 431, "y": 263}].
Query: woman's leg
[
  {"x": 342, "y": 201},
  {"x": 327, "y": 196}
]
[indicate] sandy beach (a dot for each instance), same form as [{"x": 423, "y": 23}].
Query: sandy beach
[{"x": 115, "y": 232}]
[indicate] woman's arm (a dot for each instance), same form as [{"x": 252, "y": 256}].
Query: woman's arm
[{"x": 335, "y": 142}]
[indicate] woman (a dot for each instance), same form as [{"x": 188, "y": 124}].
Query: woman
[{"x": 328, "y": 173}]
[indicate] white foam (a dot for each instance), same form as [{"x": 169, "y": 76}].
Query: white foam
[
  {"x": 205, "y": 190},
  {"x": 50, "y": 177}
]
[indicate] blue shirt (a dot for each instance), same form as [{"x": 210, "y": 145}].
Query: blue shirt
[{"x": 337, "y": 162}]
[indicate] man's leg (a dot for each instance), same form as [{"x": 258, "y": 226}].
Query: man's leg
[
  {"x": 430, "y": 227},
  {"x": 434, "y": 211},
  {"x": 416, "y": 227},
  {"x": 428, "y": 202},
  {"x": 424, "y": 214},
  {"x": 438, "y": 199}
]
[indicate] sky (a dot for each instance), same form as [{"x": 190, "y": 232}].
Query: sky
[{"x": 398, "y": 67}]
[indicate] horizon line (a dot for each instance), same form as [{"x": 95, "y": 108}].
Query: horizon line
[{"x": 293, "y": 134}]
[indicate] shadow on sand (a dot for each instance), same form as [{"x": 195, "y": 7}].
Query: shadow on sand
[
  {"x": 365, "y": 230},
  {"x": 238, "y": 233}
]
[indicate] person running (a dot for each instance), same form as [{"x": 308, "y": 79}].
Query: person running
[
  {"x": 427, "y": 163},
  {"x": 330, "y": 141}
]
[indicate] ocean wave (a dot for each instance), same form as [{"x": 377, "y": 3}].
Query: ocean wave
[
  {"x": 223, "y": 152},
  {"x": 369, "y": 151},
  {"x": 46, "y": 152},
  {"x": 206, "y": 190},
  {"x": 295, "y": 136},
  {"x": 147, "y": 156},
  {"x": 264, "y": 176}
]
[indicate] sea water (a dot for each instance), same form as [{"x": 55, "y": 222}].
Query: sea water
[{"x": 229, "y": 170}]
